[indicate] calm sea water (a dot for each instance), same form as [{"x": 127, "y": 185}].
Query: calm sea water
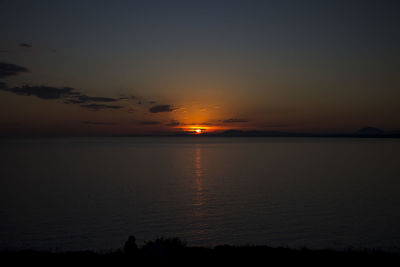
[{"x": 73, "y": 194}]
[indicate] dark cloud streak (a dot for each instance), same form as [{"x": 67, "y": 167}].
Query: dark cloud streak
[
  {"x": 25, "y": 45},
  {"x": 43, "y": 92},
  {"x": 97, "y": 107},
  {"x": 161, "y": 108},
  {"x": 7, "y": 69},
  {"x": 81, "y": 99}
]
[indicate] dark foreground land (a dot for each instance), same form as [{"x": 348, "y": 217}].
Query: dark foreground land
[{"x": 174, "y": 251}]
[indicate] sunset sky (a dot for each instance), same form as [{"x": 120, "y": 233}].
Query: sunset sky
[{"x": 135, "y": 67}]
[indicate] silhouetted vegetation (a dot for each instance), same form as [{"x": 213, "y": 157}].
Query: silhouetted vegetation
[
  {"x": 175, "y": 251},
  {"x": 130, "y": 246},
  {"x": 164, "y": 249}
]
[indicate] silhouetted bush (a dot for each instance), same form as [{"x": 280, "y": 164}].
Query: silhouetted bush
[
  {"x": 130, "y": 246},
  {"x": 163, "y": 247}
]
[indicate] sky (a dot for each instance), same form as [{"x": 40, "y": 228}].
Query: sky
[{"x": 144, "y": 67}]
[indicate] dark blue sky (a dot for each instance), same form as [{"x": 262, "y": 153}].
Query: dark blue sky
[{"x": 281, "y": 65}]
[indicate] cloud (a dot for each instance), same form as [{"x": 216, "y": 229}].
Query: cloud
[
  {"x": 81, "y": 98},
  {"x": 149, "y": 122},
  {"x": 70, "y": 95},
  {"x": 161, "y": 108},
  {"x": 235, "y": 120},
  {"x": 43, "y": 92},
  {"x": 7, "y": 69},
  {"x": 97, "y": 107},
  {"x": 99, "y": 123},
  {"x": 25, "y": 45},
  {"x": 200, "y": 123},
  {"x": 173, "y": 123},
  {"x": 139, "y": 100}
]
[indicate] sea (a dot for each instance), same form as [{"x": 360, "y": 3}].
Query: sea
[{"x": 68, "y": 194}]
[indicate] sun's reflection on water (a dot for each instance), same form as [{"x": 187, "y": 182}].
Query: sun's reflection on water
[
  {"x": 199, "y": 194},
  {"x": 200, "y": 226}
]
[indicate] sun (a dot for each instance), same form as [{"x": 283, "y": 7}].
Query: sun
[{"x": 196, "y": 129}]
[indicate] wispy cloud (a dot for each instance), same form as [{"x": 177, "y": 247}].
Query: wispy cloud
[
  {"x": 161, "y": 108},
  {"x": 97, "y": 107},
  {"x": 76, "y": 97},
  {"x": 44, "y": 92},
  {"x": 70, "y": 95},
  {"x": 81, "y": 98}
]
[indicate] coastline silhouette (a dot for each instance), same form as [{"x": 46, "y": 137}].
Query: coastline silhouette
[{"x": 175, "y": 251}]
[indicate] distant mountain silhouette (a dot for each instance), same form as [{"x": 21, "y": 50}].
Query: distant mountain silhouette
[
  {"x": 250, "y": 133},
  {"x": 239, "y": 133}
]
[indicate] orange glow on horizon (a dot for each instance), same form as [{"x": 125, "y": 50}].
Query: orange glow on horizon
[
  {"x": 200, "y": 119},
  {"x": 198, "y": 129}
]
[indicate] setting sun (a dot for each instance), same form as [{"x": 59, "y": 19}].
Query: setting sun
[{"x": 197, "y": 129}]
